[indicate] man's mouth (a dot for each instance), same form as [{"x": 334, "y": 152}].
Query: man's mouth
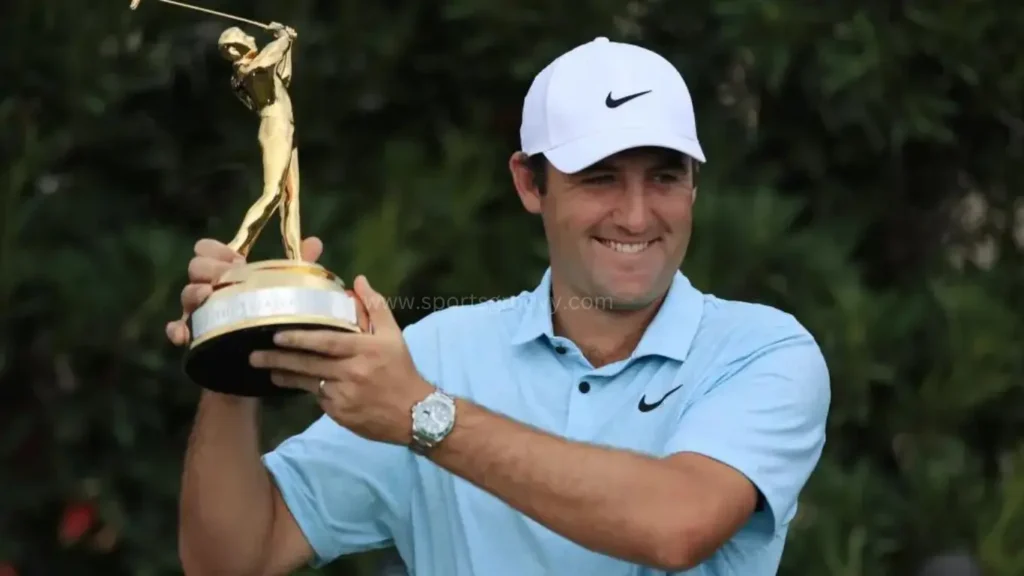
[{"x": 626, "y": 247}]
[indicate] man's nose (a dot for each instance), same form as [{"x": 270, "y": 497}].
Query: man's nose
[{"x": 634, "y": 210}]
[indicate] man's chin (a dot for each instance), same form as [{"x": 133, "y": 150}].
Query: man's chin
[
  {"x": 629, "y": 296},
  {"x": 627, "y": 300}
]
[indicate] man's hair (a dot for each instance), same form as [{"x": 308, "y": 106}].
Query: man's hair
[{"x": 538, "y": 165}]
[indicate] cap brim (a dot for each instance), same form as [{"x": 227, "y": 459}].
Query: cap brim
[{"x": 587, "y": 151}]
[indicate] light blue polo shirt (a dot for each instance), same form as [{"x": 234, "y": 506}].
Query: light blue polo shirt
[{"x": 753, "y": 392}]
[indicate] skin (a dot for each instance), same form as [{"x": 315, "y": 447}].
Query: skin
[
  {"x": 641, "y": 195},
  {"x": 670, "y": 513}
]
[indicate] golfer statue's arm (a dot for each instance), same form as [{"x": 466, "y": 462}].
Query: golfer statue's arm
[{"x": 274, "y": 54}]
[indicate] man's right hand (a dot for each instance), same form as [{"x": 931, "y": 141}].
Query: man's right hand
[{"x": 212, "y": 260}]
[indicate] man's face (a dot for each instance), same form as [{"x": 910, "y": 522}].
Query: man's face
[{"x": 617, "y": 230}]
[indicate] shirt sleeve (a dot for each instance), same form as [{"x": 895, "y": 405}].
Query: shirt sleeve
[
  {"x": 765, "y": 416},
  {"x": 346, "y": 493}
]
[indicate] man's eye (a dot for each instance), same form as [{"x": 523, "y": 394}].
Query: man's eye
[
  {"x": 598, "y": 179},
  {"x": 667, "y": 178}
]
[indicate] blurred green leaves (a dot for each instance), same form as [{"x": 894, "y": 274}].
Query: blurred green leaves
[{"x": 841, "y": 139}]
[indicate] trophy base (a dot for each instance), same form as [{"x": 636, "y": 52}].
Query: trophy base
[
  {"x": 248, "y": 306},
  {"x": 222, "y": 364}
]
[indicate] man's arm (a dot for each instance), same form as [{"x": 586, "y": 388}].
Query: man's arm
[
  {"x": 666, "y": 513},
  {"x": 232, "y": 518},
  {"x": 761, "y": 430}
]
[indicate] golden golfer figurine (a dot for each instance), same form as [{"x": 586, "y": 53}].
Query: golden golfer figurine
[
  {"x": 261, "y": 81},
  {"x": 253, "y": 301}
]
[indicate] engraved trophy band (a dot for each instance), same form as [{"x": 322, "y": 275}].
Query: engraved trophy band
[{"x": 272, "y": 306}]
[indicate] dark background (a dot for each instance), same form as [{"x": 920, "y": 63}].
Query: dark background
[{"x": 864, "y": 173}]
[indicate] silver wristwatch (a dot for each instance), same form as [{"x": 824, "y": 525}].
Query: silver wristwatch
[{"x": 432, "y": 419}]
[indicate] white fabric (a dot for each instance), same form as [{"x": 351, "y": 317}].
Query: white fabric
[{"x": 566, "y": 114}]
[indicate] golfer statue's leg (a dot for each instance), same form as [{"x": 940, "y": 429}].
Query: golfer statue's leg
[
  {"x": 276, "y": 139},
  {"x": 290, "y": 233}
]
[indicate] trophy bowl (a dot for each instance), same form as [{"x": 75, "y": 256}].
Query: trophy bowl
[{"x": 248, "y": 306}]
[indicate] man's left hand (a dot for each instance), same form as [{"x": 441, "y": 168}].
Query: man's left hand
[{"x": 371, "y": 383}]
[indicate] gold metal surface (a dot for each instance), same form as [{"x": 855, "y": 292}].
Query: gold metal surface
[
  {"x": 309, "y": 320},
  {"x": 261, "y": 80},
  {"x": 241, "y": 273},
  {"x": 259, "y": 275}
]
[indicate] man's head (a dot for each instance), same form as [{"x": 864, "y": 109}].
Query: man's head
[
  {"x": 609, "y": 157},
  {"x": 235, "y": 44}
]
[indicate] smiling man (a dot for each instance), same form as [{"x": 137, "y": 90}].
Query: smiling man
[{"x": 613, "y": 421}]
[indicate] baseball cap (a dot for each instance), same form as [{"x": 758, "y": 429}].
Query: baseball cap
[{"x": 604, "y": 97}]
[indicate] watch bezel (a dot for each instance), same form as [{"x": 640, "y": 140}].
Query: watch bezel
[{"x": 423, "y": 440}]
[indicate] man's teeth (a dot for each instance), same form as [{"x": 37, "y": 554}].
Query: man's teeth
[{"x": 626, "y": 248}]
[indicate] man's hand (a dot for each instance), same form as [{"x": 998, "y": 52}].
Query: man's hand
[
  {"x": 371, "y": 381},
  {"x": 212, "y": 259}
]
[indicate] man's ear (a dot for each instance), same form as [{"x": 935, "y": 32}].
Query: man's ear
[{"x": 525, "y": 182}]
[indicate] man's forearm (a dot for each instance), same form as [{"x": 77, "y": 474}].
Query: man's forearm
[
  {"x": 226, "y": 509},
  {"x": 614, "y": 502}
]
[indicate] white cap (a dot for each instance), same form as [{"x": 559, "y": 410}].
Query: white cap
[{"x": 603, "y": 97}]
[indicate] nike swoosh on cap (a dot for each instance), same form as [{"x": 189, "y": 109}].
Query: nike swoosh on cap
[{"x": 616, "y": 102}]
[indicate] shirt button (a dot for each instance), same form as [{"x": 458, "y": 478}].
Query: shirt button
[
  {"x": 560, "y": 349},
  {"x": 584, "y": 387}
]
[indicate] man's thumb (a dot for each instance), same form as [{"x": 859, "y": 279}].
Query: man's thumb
[
  {"x": 377, "y": 308},
  {"x": 312, "y": 248}
]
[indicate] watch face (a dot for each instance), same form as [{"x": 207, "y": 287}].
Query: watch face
[{"x": 433, "y": 417}]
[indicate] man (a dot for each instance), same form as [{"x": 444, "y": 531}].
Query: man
[{"x": 613, "y": 421}]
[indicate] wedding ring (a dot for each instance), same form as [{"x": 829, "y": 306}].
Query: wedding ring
[{"x": 320, "y": 389}]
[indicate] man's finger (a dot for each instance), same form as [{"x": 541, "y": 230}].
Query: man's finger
[
  {"x": 297, "y": 362},
  {"x": 210, "y": 248},
  {"x": 193, "y": 295},
  {"x": 381, "y": 318},
  {"x": 330, "y": 343},
  {"x": 362, "y": 314},
  {"x": 312, "y": 248},
  {"x": 206, "y": 270},
  {"x": 177, "y": 332},
  {"x": 296, "y": 381}
]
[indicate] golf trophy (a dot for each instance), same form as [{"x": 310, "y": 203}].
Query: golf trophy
[{"x": 252, "y": 301}]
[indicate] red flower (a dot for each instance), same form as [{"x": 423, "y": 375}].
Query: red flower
[{"x": 78, "y": 518}]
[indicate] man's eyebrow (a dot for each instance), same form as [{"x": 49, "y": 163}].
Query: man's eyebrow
[{"x": 598, "y": 166}]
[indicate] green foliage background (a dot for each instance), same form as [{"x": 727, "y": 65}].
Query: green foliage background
[{"x": 864, "y": 174}]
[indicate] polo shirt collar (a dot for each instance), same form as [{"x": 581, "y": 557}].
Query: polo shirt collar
[
  {"x": 670, "y": 334},
  {"x": 536, "y": 318},
  {"x": 674, "y": 327}
]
